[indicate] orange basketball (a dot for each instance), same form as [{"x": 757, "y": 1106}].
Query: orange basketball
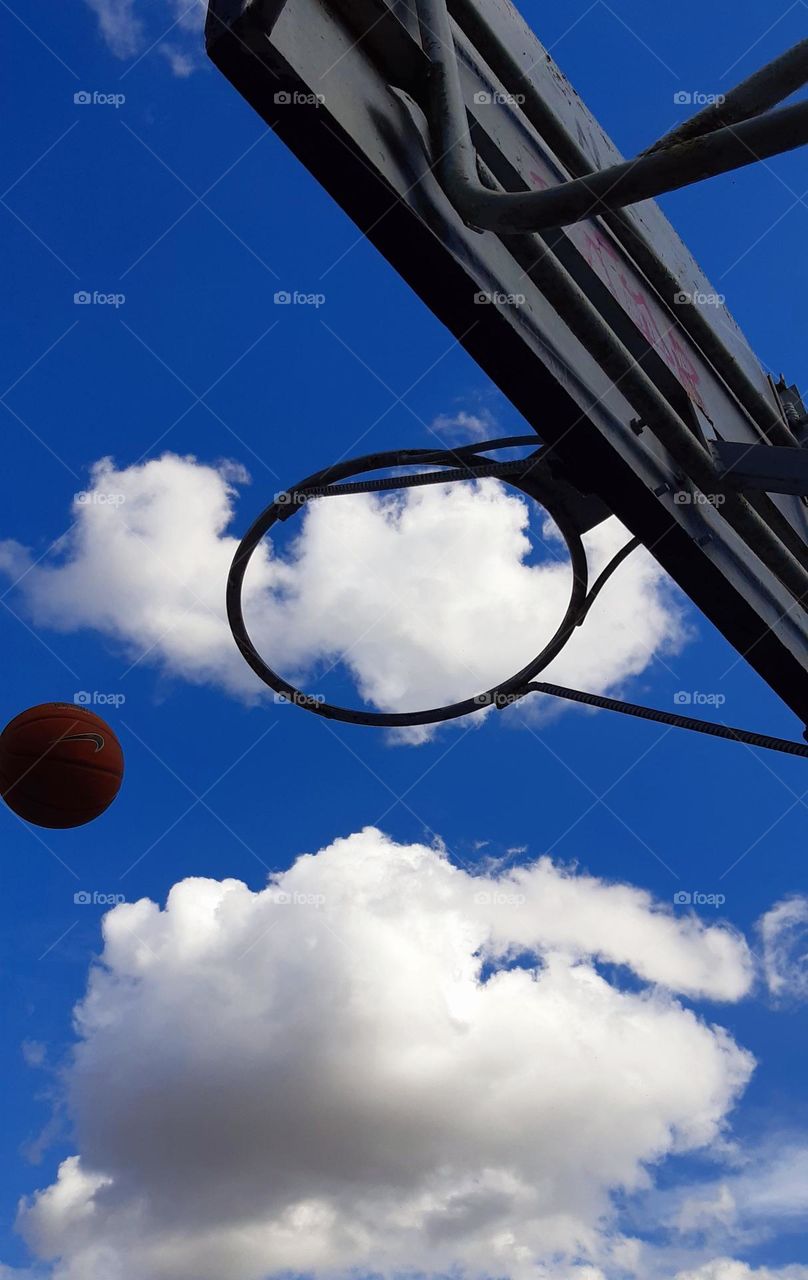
[{"x": 60, "y": 765}]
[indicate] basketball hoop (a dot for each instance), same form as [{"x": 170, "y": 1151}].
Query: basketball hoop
[{"x": 462, "y": 464}]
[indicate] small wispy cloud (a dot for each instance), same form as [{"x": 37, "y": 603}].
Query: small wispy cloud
[
  {"x": 784, "y": 935},
  {"x": 173, "y": 31},
  {"x": 463, "y": 426}
]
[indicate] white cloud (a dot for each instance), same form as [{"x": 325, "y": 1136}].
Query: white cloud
[
  {"x": 768, "y": 1194},
  {"x": 704, "y": 1210},
  {"x": 34, "y": 1053},
  {"x": 762, "y": 1195},
  {"x": 731, "y": 1269},
  {"x": 467, "y": 427},
  {"x": 317, "y": 1077},
  {"x": 120, "y": 27},
  {"x": 427, "y": 597},
  {"x": 175, "y": 30},
  {"x": 182, "y": 63},
  {"x": 784, "y": 934}
]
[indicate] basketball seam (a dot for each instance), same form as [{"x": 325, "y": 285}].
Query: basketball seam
[{"x": 19, "y": 721}]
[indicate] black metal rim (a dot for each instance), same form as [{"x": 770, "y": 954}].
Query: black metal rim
[{"x": 289, "y": 502}]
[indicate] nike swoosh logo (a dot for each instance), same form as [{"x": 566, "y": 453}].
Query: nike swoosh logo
[{"x": 85, "y": 737}]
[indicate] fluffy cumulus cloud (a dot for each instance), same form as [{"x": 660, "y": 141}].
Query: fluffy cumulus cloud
[
  {"x": 425, "y": 597},
  {"x": 383, "y": 1064},
  {"x": 784, "y": 935},
  {"x": 172, "y": 28}
]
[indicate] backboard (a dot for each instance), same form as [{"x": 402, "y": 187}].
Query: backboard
[{"x": 346, "y": 85}]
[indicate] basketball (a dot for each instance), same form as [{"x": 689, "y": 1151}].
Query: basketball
[{"x": 60, "y": 765}]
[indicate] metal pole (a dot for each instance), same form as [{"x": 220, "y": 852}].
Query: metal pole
[
  {"x": 771, "y": 84},
  {"x": 677, "y": 166},
  {"x": 666, "y": 717}
]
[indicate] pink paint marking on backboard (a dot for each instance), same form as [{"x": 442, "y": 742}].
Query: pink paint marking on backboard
[{"x": 626, "y": 287}]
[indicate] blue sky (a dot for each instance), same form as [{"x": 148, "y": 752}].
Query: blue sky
[{"x": 179, "y": 200}]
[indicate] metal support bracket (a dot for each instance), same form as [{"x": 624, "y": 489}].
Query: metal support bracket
[{"x": 772, "y": 468}]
